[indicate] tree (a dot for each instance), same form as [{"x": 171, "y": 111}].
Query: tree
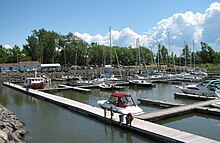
[
  {"x": 186, "y": 54},
  {"x": 147, "y": 55},
  {"x": 4, "y": 56},
  {"x": 14, "y": 54},
  {"x": 207, "y": 55},
  {"x": 41, "y": 46},
  {"x": 164, "y": 55}
]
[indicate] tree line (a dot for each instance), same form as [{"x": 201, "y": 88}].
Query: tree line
[{"x": 50, "y": 47}]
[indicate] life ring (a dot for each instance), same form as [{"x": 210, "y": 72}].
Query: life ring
[{"x": 129, "y": 117}]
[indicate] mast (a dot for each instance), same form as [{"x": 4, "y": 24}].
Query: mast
[
  {"x": 169, "y": 61},
  {"x": 180, "y": 56},
  {"x": 138, "y": 53},
  {"x": 158, "y": 57},
  {"x": 194, "y": 61},
  {"x": 110, "y": 44},
  {"x": 185, "y": 53}
]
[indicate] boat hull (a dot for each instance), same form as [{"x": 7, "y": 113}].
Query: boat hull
[
  {"x": 144, "y": 84},
  {"x": 38, "y": 85}
]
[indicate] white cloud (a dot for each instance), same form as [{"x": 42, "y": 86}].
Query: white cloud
[
  {"x": 122, "y": 38},
  {"x": 181, "y": 27},
  {"x": 7, "y": 46}
]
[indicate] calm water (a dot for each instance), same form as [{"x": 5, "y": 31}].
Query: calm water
[
  {"x": 200, "y": 124},
  {"x": 47, "y": 122}
]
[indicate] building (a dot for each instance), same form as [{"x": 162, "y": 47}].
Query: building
[
  {"x": 8, "y": 67},
  {"x": 50, "y": 67},
  {"x": 29, "y": 66}
]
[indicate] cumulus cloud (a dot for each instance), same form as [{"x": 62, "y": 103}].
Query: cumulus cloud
[
  {"x": 122, "y": 38},
  {"x": 182, "y": 27},
  {"x": 7, "y": 46}
]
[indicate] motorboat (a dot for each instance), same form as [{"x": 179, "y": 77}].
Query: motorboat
[
  {"x": 80, "y": 83},
  {"x": 216, "y": 104},
  {"x": 34, "y": 82},
  {"x": 121, "y": 103},
  {"x": 109, "y": 86},
  {"x": 141, "y": 83},
  {"x": 205, "y": 88}
]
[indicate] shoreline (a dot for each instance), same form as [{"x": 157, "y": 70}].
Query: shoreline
[{"x": 11, "y": 129}]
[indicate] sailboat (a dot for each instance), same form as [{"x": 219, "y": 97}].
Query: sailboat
[{"x": 109, "y": 79}]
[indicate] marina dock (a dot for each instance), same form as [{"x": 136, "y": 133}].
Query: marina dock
[
  {"x": 159, "y": 103},
  {"x": 53, "y": 89},
  {"x": 75, "y": 88},
  {"x": 153, "y": 130},
  {"x": 170, "y": 112},
  {"x": 192, "y": 96},
  {"x": 208, "y": 110}
]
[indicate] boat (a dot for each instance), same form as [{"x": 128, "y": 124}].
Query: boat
[
  {"x": 121, "y": 103},
  {"x": 34, "y": 82},
  {"x": 205, "y": 88},
  {"x": 141, "y": 83},
  {"x": 79, "y": 83},
  {"x": 216, "y": 104},
  {"x": 109, "y": 86}
]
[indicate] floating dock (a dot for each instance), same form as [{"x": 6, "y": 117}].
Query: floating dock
[
  {"x": 192, "y": 96},
  {"x": 159, "y": 103},
  {"x": 171, "y": 112},
  {"x": 75, "y": 88},
  {"x": 153, "y": 130},
  {"x": 53, "y": 89},
  {"x": 208, "y": 110}
]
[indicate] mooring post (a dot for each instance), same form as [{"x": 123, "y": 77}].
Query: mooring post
[
  {"x": 104, "y": 112},
  {"x": 111, "y": 112}
]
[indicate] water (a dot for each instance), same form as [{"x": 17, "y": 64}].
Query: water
[
  {"x": 47, "y": 122},
  {"x": 200, "y": 124}
]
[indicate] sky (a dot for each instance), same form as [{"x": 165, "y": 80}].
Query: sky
[{"x": 152, "y": 21}]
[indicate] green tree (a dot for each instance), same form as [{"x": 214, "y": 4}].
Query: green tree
[
  {"x": 207, "y": 54},
  {"x": 186, "y": 54},
  {"x": 41, "y": 46},
  {"x": 4, "y": 56},
  {"x": 164, "y": 55}
]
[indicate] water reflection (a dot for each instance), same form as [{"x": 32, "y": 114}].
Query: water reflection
[
  {"x": 47, "y": 122},
  {"x": 200, "y": 124}
]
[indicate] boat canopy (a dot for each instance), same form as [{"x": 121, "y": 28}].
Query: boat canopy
[
  {"x": 120, "y": 94},
  {"x": 121, "y": 100}
]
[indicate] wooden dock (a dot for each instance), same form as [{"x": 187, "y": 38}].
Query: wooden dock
[
  {"x": 192, "y": 96},
  {"x": 75, "y": 88},
  {"x": 153, "y": 130},
  {"x": 159, "y": 103},
  {"x": 53, "y": 89},
  {"x": 171, "y": 112},
  {"x": 208, "y": 110}
]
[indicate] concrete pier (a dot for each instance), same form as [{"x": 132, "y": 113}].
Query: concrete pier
[{"x": 153, "y": 130}]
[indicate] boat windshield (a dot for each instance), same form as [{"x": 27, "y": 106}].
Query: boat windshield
[
  {"x": 127, "y": 101},
  {"x": 122, "y": 101},
  {"x": 113, "y": 100}
]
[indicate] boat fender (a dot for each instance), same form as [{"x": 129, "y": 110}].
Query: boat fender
[{"x": 129, "y": 118}]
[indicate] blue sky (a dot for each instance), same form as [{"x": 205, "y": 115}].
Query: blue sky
[{"x": 19, "y": 18}]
